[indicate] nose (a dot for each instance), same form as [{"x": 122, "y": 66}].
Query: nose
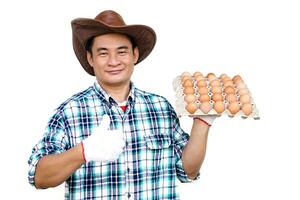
[{"x": 113, "y": 60}]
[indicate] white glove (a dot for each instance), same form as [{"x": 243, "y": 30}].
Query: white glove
[
  {"x": 103, "y": 144},
  {"x": 208, "y": 119}
]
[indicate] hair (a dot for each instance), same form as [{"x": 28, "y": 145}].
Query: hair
[{"x": 90, "y": 42}]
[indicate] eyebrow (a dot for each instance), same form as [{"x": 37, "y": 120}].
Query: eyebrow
[{"x": 105, "y": 49}]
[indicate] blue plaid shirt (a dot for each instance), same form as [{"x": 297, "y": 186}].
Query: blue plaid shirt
[{"x": 151, "y": 161}]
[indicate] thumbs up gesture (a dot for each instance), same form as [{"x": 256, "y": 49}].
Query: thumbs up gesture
[{"x": 103, "y": 144}]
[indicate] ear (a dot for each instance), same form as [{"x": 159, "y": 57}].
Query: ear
[
  {"x": 90, "y": 58},
  {"x": 135, "y": 54}
]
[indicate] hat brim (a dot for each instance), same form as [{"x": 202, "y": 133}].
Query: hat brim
[{"x": 83, "y": 29}]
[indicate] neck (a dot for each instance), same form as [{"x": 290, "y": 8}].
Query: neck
[{"x": 118, "y": 92}]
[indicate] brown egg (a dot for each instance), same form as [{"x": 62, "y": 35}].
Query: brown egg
[
  {"x": 185, "y": 74},
  {"x": 199, "y": 78},
  {"x": 211, "y": 76},
  {"x": 204, "y": 98},
  {"x": 219, "y": 107},
  {"x": 216, "y": 90},
  {"x": 189, "y": 90},
  {"x": 230, "y": 98},
  {"x": 226, "y": 78},
  {"x": 215, "y": 82},
  {"x": 202, "y": 90},
  {"x": 245, "y": 98},
  {"x": 205, "y": 107},
  {"x": 201, "y": 83},
  {"x": 217, "y": 97},
  {"x": 243, "y": 91},
  {"x": 233, "y": 107},
  {"x": 188, "y": 83},
  {"x": 190, "y": 98},
  {"x": 191, "y": 108},
  {"x": 236, "y": 78},
  {"x": 197, "y": 74},
  {"x": 241, "y": 85},
  {"x": 247, "y": 109},
  {"x": 229, "y": 90},
  {"x": 228, "y": 83},
  {"x": 184, "y": 78},
  {"x": 222, "y": 76}
]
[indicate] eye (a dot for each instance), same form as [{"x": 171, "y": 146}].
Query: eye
[
  {"x": 103, "y": 53},
  {"x": 122, "y": 52}
]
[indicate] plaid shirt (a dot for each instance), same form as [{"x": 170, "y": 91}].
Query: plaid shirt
[{"x": 151, "y": 161}]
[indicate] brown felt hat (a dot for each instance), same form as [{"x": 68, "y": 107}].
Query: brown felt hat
[{"x": 109, "y": 22}]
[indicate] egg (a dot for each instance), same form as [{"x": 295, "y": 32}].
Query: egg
[
  {"x": 245, "y": 98},
  {"x": 233, "y": 107},
  {"x": 229, "y": 90},
  {"x": 189, "y": 90},
  {"x": 202, "y": 90},
  {"x": 188, "y": 83},
  {"x": 247, "y": 109},
  {"x": 204, "y": 98},
  {"x": 191, "y": 107},
  {"x": 197, "y": 74},
  {"x": 205, "y": 107},
  {"x": 230, "y": 97},
  {"x": 190, "y": 98},
  {"x": 216, "y": 90},
  {"x": 184, "y": 78},
  {"x": 219, "y": 107},
  {"x": 215, "y": 82},
  {"x": 201, "y": 83},
  {"x": 241, "y": 85},
  {"x": 211, "y": 76},
  {"x": 243, "y": 91},
  {"x": 237, "y": 79},
  {"x": 185, "y": 74},
  {"x": 199, "y": 78},
  {"x": 226, "y": 78},
  {"x": 222, "y": 76},
  {"x": 228, "y": 83},
  {"x": 217, "y": 97}
]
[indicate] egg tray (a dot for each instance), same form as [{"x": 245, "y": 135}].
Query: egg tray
[{"x": 181, "y": 110}]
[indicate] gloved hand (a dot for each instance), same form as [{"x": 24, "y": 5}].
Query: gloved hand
[
  {"x": 207, "y": 119},
  {"x": 103, "y": 144}
]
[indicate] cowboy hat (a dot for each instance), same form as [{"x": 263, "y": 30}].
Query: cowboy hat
[{"x": 109, "y": 22}]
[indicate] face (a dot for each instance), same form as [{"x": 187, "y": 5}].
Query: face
[{"x": 113, "y": 59}]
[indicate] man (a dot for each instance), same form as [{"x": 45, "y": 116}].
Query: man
[{"x": 113, "y": 140}]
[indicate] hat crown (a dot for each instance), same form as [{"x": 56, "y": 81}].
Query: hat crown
[{"x": 111, "y": 18}]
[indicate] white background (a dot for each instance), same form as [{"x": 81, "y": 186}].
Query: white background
[{"x": 258, "y": 39}]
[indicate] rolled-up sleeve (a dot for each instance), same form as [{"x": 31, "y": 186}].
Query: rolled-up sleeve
[
  {"x": 54, "y": 141},
  {"x": 181, "y": 138}
]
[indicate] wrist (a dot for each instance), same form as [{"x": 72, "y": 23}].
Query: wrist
[{"x": 202, "y": 121}]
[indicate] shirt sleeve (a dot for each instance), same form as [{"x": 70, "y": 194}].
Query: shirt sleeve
[
  {"x": 54, "y": 141},
  {"x": 180, "y": 139}
]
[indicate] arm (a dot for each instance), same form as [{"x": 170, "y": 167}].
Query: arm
[
  {"x": 194, "y": 152},
  {"x": 102, "y": 145},
  {"x": 52, "y": 170}
]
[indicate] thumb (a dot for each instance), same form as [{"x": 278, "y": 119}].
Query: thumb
[{"x": 105, "y": 122}]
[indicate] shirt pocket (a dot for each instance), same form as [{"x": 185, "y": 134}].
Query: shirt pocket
[
  {"x": 157, "y": 141},
  {"x": 159, "y": 153}
]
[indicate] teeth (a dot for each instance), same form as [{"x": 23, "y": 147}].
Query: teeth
[{"x": 197, "y": 94}]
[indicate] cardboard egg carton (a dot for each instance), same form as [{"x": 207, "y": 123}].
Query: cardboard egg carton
[{"x": 180, "y": 103}]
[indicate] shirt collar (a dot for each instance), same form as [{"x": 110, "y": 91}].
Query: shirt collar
[{"x": 109, "y": 99}]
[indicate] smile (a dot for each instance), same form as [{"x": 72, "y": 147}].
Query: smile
[{"x": 114, "y": 72}]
